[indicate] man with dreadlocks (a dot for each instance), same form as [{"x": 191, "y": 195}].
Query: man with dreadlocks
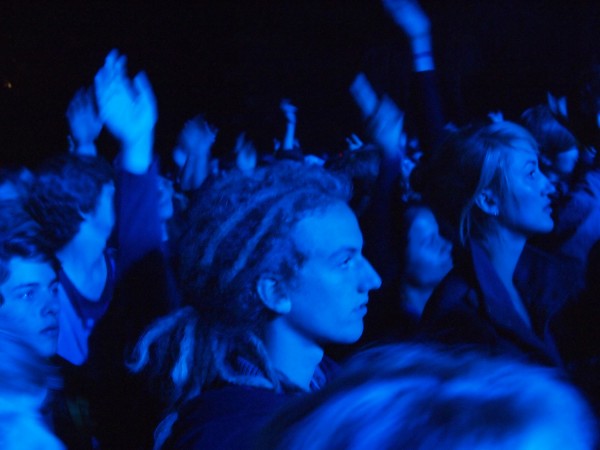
[{"x": 271, "y": 271}]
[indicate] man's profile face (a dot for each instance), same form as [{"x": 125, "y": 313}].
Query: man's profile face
[
  {"x": 329, "y": 294},
  {"x": 30, "y": 304}
]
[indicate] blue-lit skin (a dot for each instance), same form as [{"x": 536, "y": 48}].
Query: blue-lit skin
[
  {"x": 84, "y": 123},
  {"x": 289, "y": 111},
  {"x": 165, "y": 198},
  {"x": 128, "y": 109},
  {"x": 30, "y": 305},
  {"x": 246, "y": 156},
  {"x": 326, "y": 300},
  {"x": 527, "y": 209},
  {"x": 414, "y": 23},
  {"x": 192, "y": 155},
  {"x": 428, "y": 260},
  {"x": 102, "y": 218},
  {"x": 565, "y": 162},
  {"x": 8, "y": 191}
]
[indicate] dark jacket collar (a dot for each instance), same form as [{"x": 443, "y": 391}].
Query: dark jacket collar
[{"x": 497, "y": 305}]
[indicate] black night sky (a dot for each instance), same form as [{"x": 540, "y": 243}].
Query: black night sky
[{"x": 234, "y": 61}]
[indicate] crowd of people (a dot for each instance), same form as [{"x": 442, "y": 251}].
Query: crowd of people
[{"x": 224, "y": 306}]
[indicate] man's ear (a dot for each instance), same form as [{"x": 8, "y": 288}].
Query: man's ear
[
  {"x": 488, "y": 202},
  {"x": 273, "y": 294}
]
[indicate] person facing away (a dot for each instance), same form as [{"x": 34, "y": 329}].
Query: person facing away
[{"x": 271, "y": 270}]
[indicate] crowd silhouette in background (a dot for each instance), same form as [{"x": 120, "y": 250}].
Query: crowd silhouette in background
[{"x": 436, "y": 288}]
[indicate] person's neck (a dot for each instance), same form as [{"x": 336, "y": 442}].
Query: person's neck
[
  {"x": 415, "y": 297},
  {"x": 291, "y": 353},
  {"x": 82, "y": 260},
  {"x": 504, "y": 249}
]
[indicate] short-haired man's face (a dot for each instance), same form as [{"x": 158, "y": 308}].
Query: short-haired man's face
[
  {"x": 30, "y": 304},
  {"x": 329, "y": 294}
]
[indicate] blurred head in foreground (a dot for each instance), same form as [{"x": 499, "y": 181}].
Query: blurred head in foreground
[{"x": 418, "y": 397}]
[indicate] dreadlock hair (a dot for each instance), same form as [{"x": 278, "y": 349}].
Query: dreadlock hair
[
  {"x": 65, "y": 187},
  {"x": 238, "y": 228},
  {"x": 362, "y": 166}
]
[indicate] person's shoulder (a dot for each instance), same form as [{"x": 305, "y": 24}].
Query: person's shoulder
[
  {"x": 455, "y": 289},
  {"x": 230, "y": 401},
  {"x": 224, "y": 418}
]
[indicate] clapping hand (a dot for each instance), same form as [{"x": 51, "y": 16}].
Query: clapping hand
[
  {"x": 128, "y": 109},
  {"x": 84, "y": 122}
]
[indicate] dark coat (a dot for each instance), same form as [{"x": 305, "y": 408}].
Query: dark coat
[
  {"x": 472, "y": 307},
  {"x": 231, "y": 416},
  {"x": 226, "y": 418}
]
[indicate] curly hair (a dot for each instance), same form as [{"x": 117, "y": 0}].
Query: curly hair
[
  {"x": 20, "y": 236},
  {"x": 65, "y": 187},
  {"x": 238, "y": 228}
]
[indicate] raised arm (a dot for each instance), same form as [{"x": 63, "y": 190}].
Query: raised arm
[
  {"x": 412, "y": 20},
  {"x": 195, "y": 141},
  {"x": 84, "y": 123},
  {"x": 289, "y": 111},
  {"x": 384, "y": 119},
  {"x": 427, "y": 112},
  {"x": 128, "y": 109},
  {"x": 246, "y": 157}
]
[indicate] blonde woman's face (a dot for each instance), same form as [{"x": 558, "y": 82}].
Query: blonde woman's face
[{"x": 526, "y": 209}]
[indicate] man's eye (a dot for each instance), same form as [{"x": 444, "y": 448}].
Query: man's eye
[
  {"x": 54, "y": 289},
  {"x": 28, "y": 294}
]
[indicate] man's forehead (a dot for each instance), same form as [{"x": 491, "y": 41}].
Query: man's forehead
[
  {"x": 328, "y": 231},
  {"x": 23, "y": 270}
]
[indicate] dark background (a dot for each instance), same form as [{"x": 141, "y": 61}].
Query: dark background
[{"x": 235, "y": 60}]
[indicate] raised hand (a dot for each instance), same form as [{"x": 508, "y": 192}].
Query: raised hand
[
  {"x": 496, "y": 116},
  {"x": 84, "y": 123},
  {"x": 195, "y": 141},
  {"x": 386, "y": 127},
  {"x": 364, "y": 95},
  {"x": 197, "y": 136},
  {"x": 288, "y": 110},
  {"x": 385, "y": 121},
  {"x": 128, "y": 109},
  {"x": 246, "y": 157},
  {"x": 354, "y": 142},
  {"x": 557, "y": 104},
  {"x": 409, "y": 16}
]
